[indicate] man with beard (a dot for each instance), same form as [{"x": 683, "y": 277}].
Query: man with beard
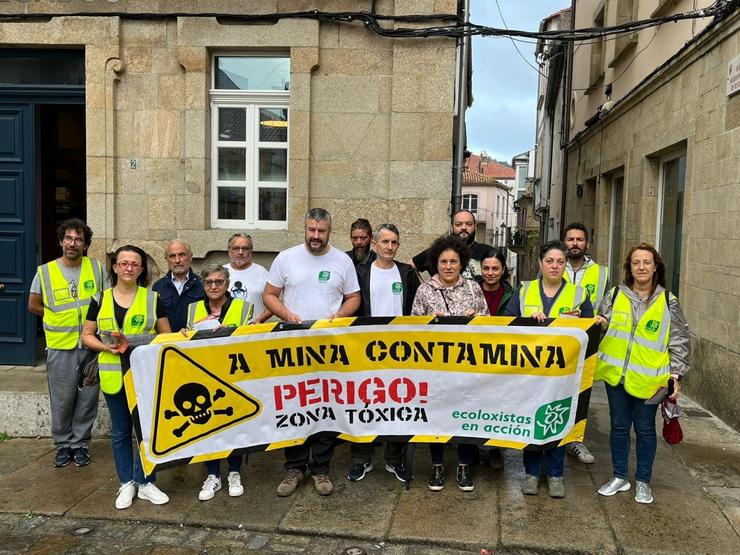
[
  {"x": 463, "y": 225},
  {"x": 60, "y": 293},
  {"x": 581, "y": 270},
  {"x": 246, "y": 278},
  {"x": 180, "y": 286},
  {"x": 316, "y": 281},
  {"x": 360, "y": 233}
]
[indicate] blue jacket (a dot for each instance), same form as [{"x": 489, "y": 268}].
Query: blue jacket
[{"x": 176, "y": 305}]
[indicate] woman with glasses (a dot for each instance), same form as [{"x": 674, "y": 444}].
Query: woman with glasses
[
  {"x": 450, "y": 294},
  {"x": 122, "y": 315},
  {"x": 219, "y": 309},
  {"x": 550, "y": 296}
]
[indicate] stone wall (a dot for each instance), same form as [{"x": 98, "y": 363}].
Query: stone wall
[
  {"x": 683, "y": 106},
  {"x": 371, "y": 118}
]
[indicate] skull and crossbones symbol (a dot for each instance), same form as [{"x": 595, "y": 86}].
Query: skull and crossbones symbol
[{"x": 193, "y": 401}]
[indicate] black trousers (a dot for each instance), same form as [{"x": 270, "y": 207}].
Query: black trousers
[
  {"x": 320, "y": 451},
  {"x": 363, "y": 452}
]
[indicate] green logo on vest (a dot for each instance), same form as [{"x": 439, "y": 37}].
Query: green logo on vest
[
  {"x": 652, "y": 326},
  {"x": 591, "y": 288},
  {"x": 89, "y": 285},
  {"x": 137, "y": 320},
  {"x": 563, "y": 309},
  {"x": 324, "y": 276},
  {"x": 397, "y": 288},
  {"x": 550, "y": 419}
]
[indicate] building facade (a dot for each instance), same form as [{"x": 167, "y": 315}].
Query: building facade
[
  {"x": 160, "y": 120},
  {"x": 658, "y": 160}
]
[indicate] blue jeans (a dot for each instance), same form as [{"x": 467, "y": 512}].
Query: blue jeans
[
  {"x": 554, "y": 461},
  {"x": 128, "y": 464},
  {"x": 625, "y": 412},
  {"x": 234, "y": 462}
]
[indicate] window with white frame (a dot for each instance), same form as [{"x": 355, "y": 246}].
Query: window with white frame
[
  {"x": 250, "y": 96},
  {"x": 470, "y": 203}
]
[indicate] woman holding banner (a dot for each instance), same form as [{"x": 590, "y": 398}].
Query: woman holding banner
[
  {"x": 449, "y": 294},
  {"x": 217, "y": 310},
  {"x": 642, "y": 359},
  {"x": 550, "y": 296},
  {"x": 125, "y": 314}
]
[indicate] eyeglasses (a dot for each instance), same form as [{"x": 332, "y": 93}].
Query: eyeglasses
[
  {"x": 74, "y": 240},
  {"x": 212, "y": 282},
  {"x": 240, "y": 249},
  {"x": 131, "y": 265}
]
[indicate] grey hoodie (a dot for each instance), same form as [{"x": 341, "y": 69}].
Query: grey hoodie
[{"x": 678, "y": 340}]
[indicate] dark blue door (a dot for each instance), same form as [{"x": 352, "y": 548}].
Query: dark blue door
[{"x": 17, "y": 235}]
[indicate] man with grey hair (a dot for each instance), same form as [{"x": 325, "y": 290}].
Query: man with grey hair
[
  {"x": 180, "y": 286},
  {"x": 317, "y": 281},
  {"x": 247, "y": 278}
]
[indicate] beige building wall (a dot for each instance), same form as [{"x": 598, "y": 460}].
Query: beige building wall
[
  {"x": 371, "y": 119},
  {"x": 682, "y": 108},
  {"x": 627, "y": 60}
]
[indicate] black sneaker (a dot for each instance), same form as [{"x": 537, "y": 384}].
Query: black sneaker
[
  {"x": 464, "y": 481},
  {"x": 398, "y": 470},
  {"x": 63, "y": 458},
  {"x": 437, "y": 481},
  {"x": 358, "y": 471},
  {"x": 82, "y": 457}
]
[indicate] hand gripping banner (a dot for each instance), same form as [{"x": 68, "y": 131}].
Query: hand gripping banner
[{"x": 487, "y": 380}]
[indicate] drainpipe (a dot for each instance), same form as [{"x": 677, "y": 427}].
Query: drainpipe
[{"x": 458, "y": 163}]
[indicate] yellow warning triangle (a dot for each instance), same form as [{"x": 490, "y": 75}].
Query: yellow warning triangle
[{"x": 192, "y": 403}]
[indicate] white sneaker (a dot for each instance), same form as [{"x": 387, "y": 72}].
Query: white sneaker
[
  {"x": 613, "y": 486},
  {"x": 643, "y": 493},
  {"x": 125, "y": 495},
  {"x": 581, "y": 452},
  {"x": 150, "y": 492},
  {"x": 210, "y": 487},
  {"x": 235, "y": 484}
]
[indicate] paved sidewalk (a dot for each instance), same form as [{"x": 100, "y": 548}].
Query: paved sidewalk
[{"x": 696, "y": 510}]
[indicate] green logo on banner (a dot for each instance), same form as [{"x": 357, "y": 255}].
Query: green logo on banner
[
  {"x": 590, "y": 287},
  {"x": 397, "y": 288},
  {"x": 324, "y": 276},
  {"x": 652, "y": 326},
  {"x": 550, "y": 419},
  {"x": 89, "y": 285},
  {"x": 137, "y": 320}
]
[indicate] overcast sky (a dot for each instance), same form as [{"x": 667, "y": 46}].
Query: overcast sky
[{"x": 502, "y": 118}]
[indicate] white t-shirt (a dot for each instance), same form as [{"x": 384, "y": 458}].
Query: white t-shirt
[
  {"x": 313, "y": 286},
  {"x": 248, "y": 284},
  {"x": 386, "y": 292}
]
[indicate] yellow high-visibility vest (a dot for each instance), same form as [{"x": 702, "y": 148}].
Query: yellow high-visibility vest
[
  {"x": 141, "y": 318},
  {"x": 637, "y": 351},
  {"x": 63, "y": 313},
  {"x": 570, "y": 298},
  {"x": 594, "y": 282},
  {"x": 239, "y": 313}
]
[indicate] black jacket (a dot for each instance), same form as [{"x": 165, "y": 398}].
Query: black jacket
[
  {"x": 409, "y": 279},
  {"x": 176, "y": 305}
]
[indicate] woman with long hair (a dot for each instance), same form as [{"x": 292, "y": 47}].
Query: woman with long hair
[
  {"x": 646, "y": 348},
  {"x": 121, "y": 315}
]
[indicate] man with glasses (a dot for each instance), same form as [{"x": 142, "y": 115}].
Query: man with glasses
[
  {"x": 60, "y": 293},
  {"x": 311, "y": 281},
  {"x": 180, "y": 286},
  {"x": 247, "y": 278}
]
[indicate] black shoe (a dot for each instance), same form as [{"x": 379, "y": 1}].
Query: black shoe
[
  {"x": 437, "y": 481},
  {"x": 358, "y": 471},
  {"x": 398, "y": 470},
  {"x": 63, "y": 458},
  {"x": 82, "y": 457},
  {"x": 464, "y": 481}
]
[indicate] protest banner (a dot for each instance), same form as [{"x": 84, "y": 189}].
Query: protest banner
[{"x": 487, "y": 380}]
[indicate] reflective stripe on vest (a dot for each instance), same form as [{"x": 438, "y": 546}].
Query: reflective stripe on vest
[
  {"x": 63, "y": 314},
  {"x": 141, "y": 318},
  {"x": 239, "y": 313},
  {"x": 570, "y": 298},
  {"x": 639, "y": 353},
  {"x": 594, "y": 282}
]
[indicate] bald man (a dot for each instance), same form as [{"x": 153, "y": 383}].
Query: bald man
[{"x": 180, "y": 286}]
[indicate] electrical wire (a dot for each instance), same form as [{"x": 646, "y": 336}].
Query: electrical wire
[{"x": 498, "y": 6}]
